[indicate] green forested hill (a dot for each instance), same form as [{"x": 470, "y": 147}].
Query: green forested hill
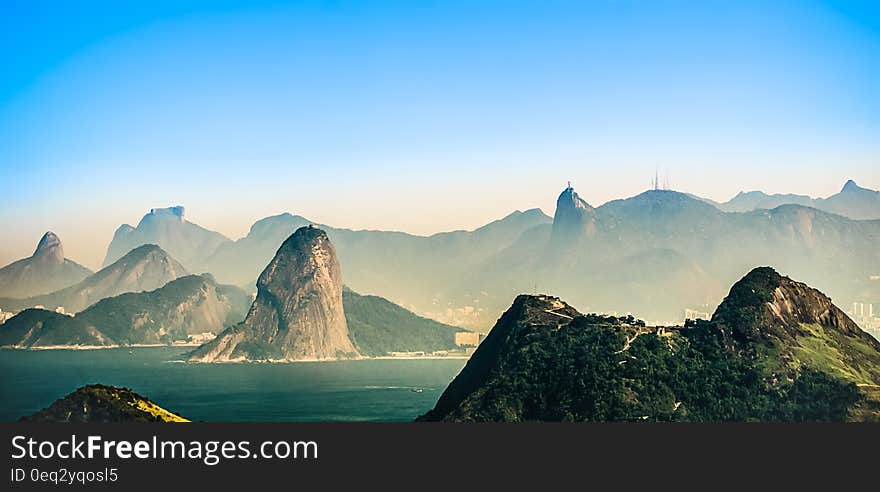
[
  {"x": 378, "y": 326},
  {"x": 189, "y": 305},
  {"x": 776, "y": 350}
]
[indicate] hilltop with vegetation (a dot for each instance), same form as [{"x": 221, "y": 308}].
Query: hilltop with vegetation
[
  {"x": 775, "y": 350},
  {"x": 98, "y": 403}
]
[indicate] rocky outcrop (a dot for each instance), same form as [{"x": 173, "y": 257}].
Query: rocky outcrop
[
  {"x": 146, "y": 267},
  {"x": 574, "y": 219},
  {"x": 765, "y": 306},
  {"x": 98, "y": 403},
  {"x": 298, "y": 312},
  {"x": 45, "y": 271},
  {"x": 168, "y": 228}
]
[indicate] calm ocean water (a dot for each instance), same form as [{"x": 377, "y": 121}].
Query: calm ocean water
[{"x": 368, "y": 390}]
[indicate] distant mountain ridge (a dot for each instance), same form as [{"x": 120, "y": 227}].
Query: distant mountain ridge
[
  {"x": 168, "y": 228},
  {"x": 643, "y": 253},
  {"x": 240, "y": 262},
  {"x": 852, "y": 201},
  {"x": 45, "y": 271},
  {"x": 661, "y": 251},
  {"x": 413, "y": 271},
  {"x": 146, "y": 267}
]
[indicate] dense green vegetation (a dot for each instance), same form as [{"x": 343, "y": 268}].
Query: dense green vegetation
[
  {"x": 378, "y": 326},
  {"x": 49, "y": 327},
  {"x": 774, "y": 350},
  {"x": 586, "y": 372},
  {"x": 131, "y": 318}
]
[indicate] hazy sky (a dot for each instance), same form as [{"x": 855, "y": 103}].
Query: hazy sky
[{"x": 418, "y": 116}]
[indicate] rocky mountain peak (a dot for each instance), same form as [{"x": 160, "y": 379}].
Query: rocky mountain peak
[
  {"x": 574, "y": 217},
  {"x": 569, "y": 199},
  {"x": 298, "y": 312},
  {"x": 50, "y": 248},
  {"x": 178, "y": 212},
  {"x": 189, "y": 243},
  {"x": 765, "y": 305},
  {"x": 850, "y": 185}
]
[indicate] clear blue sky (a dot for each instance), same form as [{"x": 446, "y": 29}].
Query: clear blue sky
[{"x": 418, "y": 116}]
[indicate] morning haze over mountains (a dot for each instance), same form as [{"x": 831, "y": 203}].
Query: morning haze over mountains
[
  {"x": 667, "y": 337},
  {"x": 660, "y": 255}
]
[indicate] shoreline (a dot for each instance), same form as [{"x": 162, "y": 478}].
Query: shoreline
[
  {"x": 312, "y": 361},
  {"x": 98, "y": 347},
  {"x": 241, "y": 361}
]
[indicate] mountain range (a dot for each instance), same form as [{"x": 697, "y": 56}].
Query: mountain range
[
  {"x": 146, "y": 297},
  {"x": 642, "y": 254},
  {"x": 146, "y": 267},
  {"x": 775, "y": 350},
  {"x": 662, "y": 251},
  {"x": 190, "y": 305},
  {"x": 852, "y": 201}
]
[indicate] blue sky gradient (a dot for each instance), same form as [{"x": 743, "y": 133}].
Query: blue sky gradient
[{"x": 419, "y": 116}]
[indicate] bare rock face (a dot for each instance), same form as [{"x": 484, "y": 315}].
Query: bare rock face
[
  {"x": 49, "y": 249},
  {"x": 298, "y": 312},
  {"x": 765, "y": 305}
]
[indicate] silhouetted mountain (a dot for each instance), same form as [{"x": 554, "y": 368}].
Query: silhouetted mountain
[
  {"x": 45, "y": 271},
  {"x": 852, "y": 201},
  {"x": 297, "y": 314},
  {"x": 775, "y": 350},
  {"x": 746, "y": 201},
  {"x": 574, "y": 219},
  {"x": 146, "y": 267},
  {"x": 168, "y": 228},
  {"x": 97, "y": 403}
]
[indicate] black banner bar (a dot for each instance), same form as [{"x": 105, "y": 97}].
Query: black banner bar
[{"x": 413, "y": 456}]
